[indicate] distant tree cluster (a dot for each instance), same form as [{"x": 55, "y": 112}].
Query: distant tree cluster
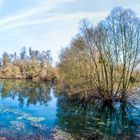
[
  {"x": 102, "y": 60},
  {"x": 33, "y": 65}
]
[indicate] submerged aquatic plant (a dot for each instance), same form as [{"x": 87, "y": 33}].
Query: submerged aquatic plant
[{"x": 35, "y": 119}]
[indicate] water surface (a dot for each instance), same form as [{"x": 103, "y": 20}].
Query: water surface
[{"x": 29, "y": 110}]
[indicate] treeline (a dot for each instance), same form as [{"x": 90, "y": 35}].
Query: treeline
[
  {"x": 30, "y": 64},
  {"x": 102, "y": 60}
]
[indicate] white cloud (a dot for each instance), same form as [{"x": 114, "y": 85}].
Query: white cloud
[
  {"x": 80, "y": 15},
  {"x": 55, "y": 17},
  {"x": 43, "y": 7}
]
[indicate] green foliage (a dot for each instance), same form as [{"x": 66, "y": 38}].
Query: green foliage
[
  {"x": 132, "y": 79},
  {"x": 100, "y": 59}
]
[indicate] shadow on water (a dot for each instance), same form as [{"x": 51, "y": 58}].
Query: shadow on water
[{"x": 96, "y": 121}]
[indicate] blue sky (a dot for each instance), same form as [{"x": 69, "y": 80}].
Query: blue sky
[{"x": 50, "y": 24}]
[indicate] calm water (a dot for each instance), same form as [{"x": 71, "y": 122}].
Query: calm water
[{"x": 30, "y": 110}]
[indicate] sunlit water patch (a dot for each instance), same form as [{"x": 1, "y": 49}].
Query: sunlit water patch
[{"x": 36, "y": 111}]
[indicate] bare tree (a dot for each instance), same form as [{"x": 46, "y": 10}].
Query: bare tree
[{"x": 111, "y": 53}]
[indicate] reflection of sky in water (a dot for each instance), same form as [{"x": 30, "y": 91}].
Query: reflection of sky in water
[
  {"x": 39, "y": 110},
  {"x": 25, "y": 102}
]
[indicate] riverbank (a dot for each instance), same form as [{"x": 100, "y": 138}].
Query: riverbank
[{"x": 35, "y": 79}]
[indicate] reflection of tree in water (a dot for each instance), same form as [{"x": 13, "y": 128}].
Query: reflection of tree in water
[
  {"x": 84, "y": 118},
  {"x": 27, "y": 92}
]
